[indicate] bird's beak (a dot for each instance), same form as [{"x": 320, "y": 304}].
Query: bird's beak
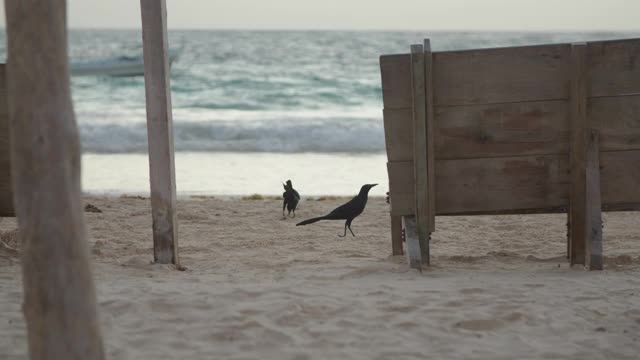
[{"x": 372, "y": 185}]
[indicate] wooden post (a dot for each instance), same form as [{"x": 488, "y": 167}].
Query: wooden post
[
  {"x": 414, "y": 253},
  {"x": 420, "y": 150},
  {"x": 6, "y": 194},
  {"x": 59, "y": 294},
  {"x": 578, "y": 121},
  {"x": 396, "y": 235},
  {"x": 430, "y": 127},
  {"x": 160, "y": 131},
  {"x": 593, "y": 220}
]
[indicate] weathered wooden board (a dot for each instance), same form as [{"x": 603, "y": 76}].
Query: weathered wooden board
[
  {"x": 513, "y": 129},
  {"x": 398, "y": 134},
  {"x": 614, "y": 67},
  {"x": 593, "y": 215},
  {"x": 395, "y": 71},
  {"x": 401, "y": 187},
  {"x": 431, "y": 146},
  {"x": 513, "y": 74},
  {"x": 516, "y": 184},
  {"x": 617, "y": 120},
  {"x": 420, "y": 178},
  {"x": 6, "y": 194},
  {"x": 577, "y": 153},
  {"x": 396, "y": 235}
]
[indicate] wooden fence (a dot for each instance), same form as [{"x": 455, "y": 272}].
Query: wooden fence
[{"x": 535, "y": 129}]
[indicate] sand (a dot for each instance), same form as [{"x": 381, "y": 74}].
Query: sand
[{"x": 258, "y": 287}]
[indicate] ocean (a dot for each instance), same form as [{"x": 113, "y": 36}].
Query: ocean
[{"x": 252, "y": 109}]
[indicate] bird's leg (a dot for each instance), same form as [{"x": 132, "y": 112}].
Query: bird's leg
[
  {"x": 284, "y": 204},
  {"x": 294, "y": 213},
  {"x": 345, "y": 231},
  {"x": 354, "y": 235}
]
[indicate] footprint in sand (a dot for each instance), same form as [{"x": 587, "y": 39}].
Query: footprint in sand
[
  {"x": 479, "y": 324},
  {"x": 469, "y": 291}
]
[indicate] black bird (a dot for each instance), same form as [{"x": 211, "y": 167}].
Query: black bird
[
  {"x": 348, "y": 211},
  {"x": 291, "y": 198}
]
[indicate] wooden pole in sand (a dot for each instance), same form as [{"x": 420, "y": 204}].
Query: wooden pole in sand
[
  {"x": 160, "y": 131},
  {"x": 6, "y": 193},
  {"x": 59, "y": 295},
  {"x": 419, "y": 161},
  {"x": 577, "y": 149}
]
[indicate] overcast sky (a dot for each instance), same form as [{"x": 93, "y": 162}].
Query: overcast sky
[{"x": 366, "y": 14}]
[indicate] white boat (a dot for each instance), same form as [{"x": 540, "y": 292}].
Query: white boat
[{"x": 117, "y": 66}]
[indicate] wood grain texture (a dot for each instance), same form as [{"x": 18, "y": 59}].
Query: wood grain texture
[
  {"x": 59, "y": 293},
  {"x": 160, "y": 131},
  {"x": 593, "y": 220},
  {"x": 515, "y": 74},
  {"x": 6, "y": 193},
  {"x": 499, "y": 130},
  {"x": 398, "y": 134},
  {"x": 420, "y": 177},
  {"x": 614, "y": 67},
  {"x": 401, "y": 188},
  {"x": 617, "y": 120},
  {"x": 396, "y": 235},
  {"x": 522, "y": 184},
  {"x": 395, "y": 71},
  {"x": 430, "y": 128},
  {"x": 577, "y": 152}
]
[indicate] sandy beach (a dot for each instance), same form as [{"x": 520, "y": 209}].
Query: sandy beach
[{"x": 258, "y": 287}]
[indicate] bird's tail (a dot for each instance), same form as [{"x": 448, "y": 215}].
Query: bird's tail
[{"x": 310, "y": 221}]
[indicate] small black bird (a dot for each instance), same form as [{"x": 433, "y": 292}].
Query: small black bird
[
  {"x": 291, "y": 198},
  {"x": 348, "y": 211}
]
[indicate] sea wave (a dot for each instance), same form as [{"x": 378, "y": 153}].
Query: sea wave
[{"x": 320, "y": 135}]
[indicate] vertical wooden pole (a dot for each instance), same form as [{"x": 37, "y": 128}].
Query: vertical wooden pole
[
  {"x": 160, "y": 131},
  {"x": 577, "y": 153},
  {"x": 414, "y": 253},
  {"x": 396, "y": 235},
  {"x": 593, "y": 220},
  {"x": 6, "y": 193},
  {"x": 430, "y": 127},
  {"x": 59, "y": 294},
  {"x": 420, "y": 150}
]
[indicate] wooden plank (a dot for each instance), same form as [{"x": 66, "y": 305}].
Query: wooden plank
[
  {"x": 430, "y": 128},
  {"x": 496, "y": 130},
  {"x": 501, "y": 184},
  {"x": 420, "y": 148},
  {"x": 59, "y": 302},
  {"x": 516, "y": 129},
  {"x": 160, "y": 131},
  {"x": 523, "y": 184},
  {"x": 6, "y": 194},
  {"x": 414, "y": 251},
  {"x": 395, "y": 71},
  {"x": 578, "y": 124},
  {"x": 396, "y": 235},
  {"x": 620, "y": 176},
  {"x": 398, "y": 133},
  {"x": 401, "y": 188},
  {"x": 498, "y": 75},
  {"x": 593, "y": 220},
  {"x": 617, "y": 119},
  {"x": 614, "y": 67}
]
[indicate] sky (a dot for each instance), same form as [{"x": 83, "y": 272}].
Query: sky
[{"x": 528, "y": 15}]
